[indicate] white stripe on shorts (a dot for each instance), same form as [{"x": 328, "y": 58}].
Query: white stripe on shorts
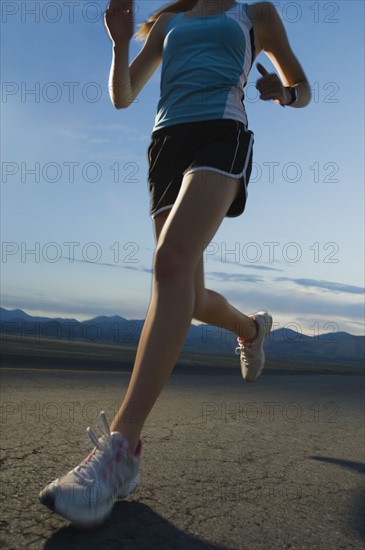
[{"x": 235, "y": 176}]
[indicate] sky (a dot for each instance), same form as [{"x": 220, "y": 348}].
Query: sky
[{"x": 77, "y": 237}]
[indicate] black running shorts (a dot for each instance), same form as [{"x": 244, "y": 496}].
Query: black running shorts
[{"x": 224, "y": 146}]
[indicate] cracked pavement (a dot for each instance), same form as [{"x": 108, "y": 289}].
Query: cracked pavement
[{"x": 277, "y": 464}]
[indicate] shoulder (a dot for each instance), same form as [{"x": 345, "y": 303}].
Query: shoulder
[
  {"x": 157, "y": 29},
  {"x": 164, "y": 18},
  {"x": 262, "y": 12},
  {"x": 162, "y": 21}
]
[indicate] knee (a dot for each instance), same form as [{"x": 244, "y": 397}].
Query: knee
[{"x": 170, "y": 263}]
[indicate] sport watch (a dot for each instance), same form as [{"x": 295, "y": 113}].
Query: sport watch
[{"x": 294, "y": 95}]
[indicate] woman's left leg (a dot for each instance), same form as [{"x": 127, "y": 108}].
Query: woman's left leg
[
  {"x": 201, "y": 205},
  {"x": 210, "y": 307}
]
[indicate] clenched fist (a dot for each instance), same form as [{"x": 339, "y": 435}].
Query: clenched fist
[
  {"x": 119, "y": 20},
  {"x": 271, "y": 87}
]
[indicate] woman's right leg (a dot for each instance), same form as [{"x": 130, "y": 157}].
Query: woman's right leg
[{"x": 214, "y": 309}]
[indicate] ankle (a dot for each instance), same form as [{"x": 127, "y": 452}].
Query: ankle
[
  {"x": 251, "y": 332},
  {"x": 133, "y": 440},
  {"x": 134, "y": 446}
]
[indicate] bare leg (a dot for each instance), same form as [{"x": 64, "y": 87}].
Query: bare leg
[
  {"x": 171, "y": 309},
  {"x": 213, "y": 308}
]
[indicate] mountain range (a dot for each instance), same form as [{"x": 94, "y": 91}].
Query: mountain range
[{"x": 284, "y": 343}]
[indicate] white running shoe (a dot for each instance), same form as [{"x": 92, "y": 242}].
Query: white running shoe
[
  {"x": 252, "y": 353},
  {"x": 86, "y": 495}
]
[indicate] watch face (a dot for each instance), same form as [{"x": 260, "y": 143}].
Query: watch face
[{"x": 293, "y": 93}]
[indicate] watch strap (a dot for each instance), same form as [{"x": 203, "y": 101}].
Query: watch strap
[{"x": 294, "y": 96}]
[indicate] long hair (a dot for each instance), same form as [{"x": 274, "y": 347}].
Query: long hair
[{"x": 175, "y": 7}]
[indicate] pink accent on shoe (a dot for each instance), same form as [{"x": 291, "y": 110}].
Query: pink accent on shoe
[
  {"x": 118, "y": 456},
  {"x": 89, "y": 456},
  {"x": 138, "y": 451}
]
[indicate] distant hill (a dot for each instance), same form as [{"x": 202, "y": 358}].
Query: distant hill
[{"x": 283, "y": 344}]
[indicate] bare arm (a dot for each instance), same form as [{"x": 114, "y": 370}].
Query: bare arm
[
  {"x": 274, "y": 42},
  {"x": 125, "y": 82}
]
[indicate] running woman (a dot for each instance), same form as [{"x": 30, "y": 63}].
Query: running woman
[{"x": 200, "y": 158}]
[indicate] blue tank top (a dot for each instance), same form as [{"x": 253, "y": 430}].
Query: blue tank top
[{"x": 205, "y": 66}]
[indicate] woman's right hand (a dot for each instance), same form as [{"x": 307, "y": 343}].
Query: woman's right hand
[{"x": 119, "y": 20}]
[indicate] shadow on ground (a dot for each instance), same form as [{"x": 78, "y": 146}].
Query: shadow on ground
[
  {"x": 356, "y": 511},
  {"x": 349, "y": 464},
  {"x": 132, "y": 525}
]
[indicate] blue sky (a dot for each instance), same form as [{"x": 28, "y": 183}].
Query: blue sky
[{"x": 77, "y": 238}]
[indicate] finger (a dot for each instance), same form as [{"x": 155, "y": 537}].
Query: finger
[
  {"x": 270, "y": 95},
  {"x": 262, "y": 69},
  {"x": 271, "y": 91},
  {"x": 267, "y": 80},
  {"x": 120, "y": 6}
]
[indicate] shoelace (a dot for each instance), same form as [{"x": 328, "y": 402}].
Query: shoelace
[
  {"x": 245, "y": 348},
  {"x": 94, "y": 460}
]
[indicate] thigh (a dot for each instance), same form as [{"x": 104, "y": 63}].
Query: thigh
[
  {"x": 159, "y": 221},
  {"x": 196, "y": 215}
]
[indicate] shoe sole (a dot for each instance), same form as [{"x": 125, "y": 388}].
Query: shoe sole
[
  {"x": 77, "y": 521},
  {"x": 133, "y": 486}
]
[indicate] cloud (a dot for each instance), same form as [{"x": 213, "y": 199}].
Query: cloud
[
  {"x": 143, "y": 269},
  {"x": 107, "y": 133},
  {"x": 106, "y": 264},
  {"x": 289, "y": 302},
  {"x": 313, "y": 312},
  {"x": 325, "y": 285},
  {"x": 233, "y": 277},
  {"x": 122, "y": 130},
  {"x": 247, "y": 265},
  {"x": 260, "y": 267}
]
